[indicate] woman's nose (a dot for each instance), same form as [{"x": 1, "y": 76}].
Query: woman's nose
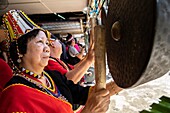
[{"x": 46, "y": 48}]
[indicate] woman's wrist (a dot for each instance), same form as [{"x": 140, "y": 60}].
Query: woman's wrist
[{"x": 113, "y": 88}]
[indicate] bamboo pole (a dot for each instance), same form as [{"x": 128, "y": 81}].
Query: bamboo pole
[
  {"x": 100, "y": 62},
  {"x": 93, "y": 24}
]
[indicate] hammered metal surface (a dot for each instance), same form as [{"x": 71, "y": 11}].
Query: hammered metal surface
[
  {"x": 143, "y": 52},
  {"x": 159, "y": 63}
]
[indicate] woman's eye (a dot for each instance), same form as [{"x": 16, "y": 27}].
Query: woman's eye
[
  {"x": 47, "y": 43},
  {"x": 40, "y": 41},
  {"x": 43, "y": 42}
]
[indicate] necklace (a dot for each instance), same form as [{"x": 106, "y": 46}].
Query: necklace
[
  {"x": 32, "y": 74},
  {"x": 53, "y": 90}
]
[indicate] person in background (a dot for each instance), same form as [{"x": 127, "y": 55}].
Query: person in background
[
  {"x": 33, "y": 90},
  {"x": 89, "y": 75},
  {"x": 77, "y": 45},
  {"x": 74, "y": 73},
  {"x": 5, "y": 70},
  {"x": 74, "y": 56},
  {"x": 64, "y": 56}
]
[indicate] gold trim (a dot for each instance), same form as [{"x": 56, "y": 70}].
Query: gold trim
[{"x": 51, "y": 82}]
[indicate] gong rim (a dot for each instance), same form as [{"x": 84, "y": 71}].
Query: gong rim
[
  {"x": 156, "y": 61},
  {"x": 126, "y": 60}
]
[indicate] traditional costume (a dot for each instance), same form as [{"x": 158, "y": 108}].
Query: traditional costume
[
  {"x": 58, "y": 65},
  {"x": 25, "y": 93}
]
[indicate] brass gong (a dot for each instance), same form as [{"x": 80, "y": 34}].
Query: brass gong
[{"x": 138, "y": 40}]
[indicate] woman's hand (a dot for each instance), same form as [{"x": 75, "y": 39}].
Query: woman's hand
[
  {"x": 98, "y": 102},
  {"x": 113, "y": 88},
  {"x": 90, "y": 54}
]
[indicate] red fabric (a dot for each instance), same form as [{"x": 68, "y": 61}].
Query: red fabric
[
  {"x": 21, "y": 98},
  {"x": 5, "y": 73},
  {"x": 15, "y": 25},
  {"x": 54, "y": 65}
]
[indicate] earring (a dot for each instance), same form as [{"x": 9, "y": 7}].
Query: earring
[
  {"x": 19, "y": 55},
  {"x": 19, "y": 59}
]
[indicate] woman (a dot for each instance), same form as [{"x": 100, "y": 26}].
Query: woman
[
  {"x": 74, "y": 73},
  {"x": 32, "y": 90},
  {"x": 74, "y": 56}
]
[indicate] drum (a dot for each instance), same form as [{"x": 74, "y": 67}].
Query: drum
[{"x": 138, "y": 40}]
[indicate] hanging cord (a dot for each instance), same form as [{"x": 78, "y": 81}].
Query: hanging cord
[
  {"x": 98, "y": 11},
  {"x": 97, "y": 8}
]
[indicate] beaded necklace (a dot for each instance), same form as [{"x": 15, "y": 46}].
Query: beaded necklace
[
  {"x": 31, "y": 73},
  {"x": 33, "y": 78}
]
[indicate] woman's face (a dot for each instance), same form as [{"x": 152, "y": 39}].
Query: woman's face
[
  {"x": 38, "y": 51},
  {"x": 73, "y": 42}
]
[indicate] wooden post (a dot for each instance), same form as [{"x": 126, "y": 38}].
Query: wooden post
[
  {"x": 100, "y": 61},
  {"x": 93, "y": 24}
]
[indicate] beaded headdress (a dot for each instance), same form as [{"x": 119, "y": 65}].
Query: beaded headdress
[{"x": 17, "y": 23}]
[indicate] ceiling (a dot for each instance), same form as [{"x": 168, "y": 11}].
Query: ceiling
[
  {"x": 46, "y": 6},
  {"x": 46, "y": 13}
]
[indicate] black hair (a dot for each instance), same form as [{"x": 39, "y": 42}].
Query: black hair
[
  {"x": 68, "y": 36},
  {"x": 53, "y": 37},
  {"x": 69, "y": 43}
]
